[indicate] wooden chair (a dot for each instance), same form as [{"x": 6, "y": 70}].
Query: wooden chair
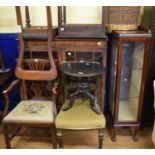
[
  {"x": 37, "y": 107},
  {"x": 80, "y": 116}
]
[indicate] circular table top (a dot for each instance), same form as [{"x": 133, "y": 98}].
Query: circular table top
[{"x": 82, "y": 68}]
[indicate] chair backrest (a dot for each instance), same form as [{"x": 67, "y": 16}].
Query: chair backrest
[
  {"x": 37, "y": 90},
  {"x": 36, "y": 67}
]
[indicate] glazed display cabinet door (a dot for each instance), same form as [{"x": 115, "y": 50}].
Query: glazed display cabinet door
[
  {"x": 130, "y": 82},
  {"x": 129, "y": 59}
]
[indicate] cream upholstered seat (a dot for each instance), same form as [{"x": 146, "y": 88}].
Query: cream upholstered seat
[
  {"x": 32, "y": 111},
  {"x": 79, "y": 117}
]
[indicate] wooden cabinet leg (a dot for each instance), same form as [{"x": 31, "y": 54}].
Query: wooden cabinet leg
[
  {"x": 6, "y": 136},
  {"x": 113, "y": 134},
  {"x": 134, "y": 131},
  {"x": 60, "y": 138}
]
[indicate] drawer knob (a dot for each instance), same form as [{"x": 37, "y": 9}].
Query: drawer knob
[
  {"x": 62, "y": 28},
  {"x": 69, "y": 53},
  {"x": 98, "y": 43}
]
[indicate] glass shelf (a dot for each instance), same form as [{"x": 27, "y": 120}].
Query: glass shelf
[
  {"x": 131, "y": 73},
  {"x": 128, "y": 109}
]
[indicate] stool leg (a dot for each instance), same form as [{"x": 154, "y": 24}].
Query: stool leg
[
  {"x": 100, "y": 136},
  {"x": 6, "y": 136},
  {"x": 60, "y": 138}
]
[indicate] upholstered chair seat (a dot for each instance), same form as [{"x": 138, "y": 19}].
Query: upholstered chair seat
[
  {"x": 80, "y": 116},
  {"x": 32, "y": 111}
]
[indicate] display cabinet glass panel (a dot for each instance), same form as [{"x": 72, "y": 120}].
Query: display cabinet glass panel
[
  {"x": 129, "y": 58},
  {"x": 131, "y": 73}
]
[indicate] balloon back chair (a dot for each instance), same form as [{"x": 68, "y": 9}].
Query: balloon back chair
[
  {"x": 81, "y": 107},
  {"x": 35, "y": 78}
]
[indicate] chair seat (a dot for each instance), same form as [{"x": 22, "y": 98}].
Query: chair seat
[
  {"x": 32, "y": 111},
  {"x": 79, "y": 117}
]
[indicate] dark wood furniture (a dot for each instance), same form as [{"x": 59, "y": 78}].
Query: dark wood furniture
[
  {"x": 83, "y": 48},
  {"x": 69, "y": 30},
  {"x": 37, "y": 107},
  {"x": 79, "y": 49},
  {"x": 82, "y": 71},
  {"x": 129, "y": 61},
  {"x": 82, "y": 108},
  {"x": 148, "y": 115},
  {"x": 71, "y": 49}
]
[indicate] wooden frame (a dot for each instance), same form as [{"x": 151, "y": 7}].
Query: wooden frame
[
  {"x": 139, "y": 36},
  {"x": 62, "y": 46},
  {"x": 76, "y": 46},
  {"x": 37, "y": 73},
  {"x": 62, "y": 16},
  {"x": 8, "y": 137},
  {"x": 66, "y": 30}
]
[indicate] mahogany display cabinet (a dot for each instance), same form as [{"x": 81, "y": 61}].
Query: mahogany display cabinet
[{"x": 128, "y": 68}]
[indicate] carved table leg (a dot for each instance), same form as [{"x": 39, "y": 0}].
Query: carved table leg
[
  {"x": 70, "y": 104},
  {"x": 84, "y": 89},
  {"x": 93, "y": 102}
]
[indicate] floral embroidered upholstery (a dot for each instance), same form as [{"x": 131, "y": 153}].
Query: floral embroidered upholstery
[{"x": 32, "y": 111}]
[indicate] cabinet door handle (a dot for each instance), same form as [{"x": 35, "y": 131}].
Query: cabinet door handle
[{"x": 62, "y": 28}]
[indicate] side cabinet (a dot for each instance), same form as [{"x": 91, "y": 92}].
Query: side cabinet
[{"x": 129, "y": 61}]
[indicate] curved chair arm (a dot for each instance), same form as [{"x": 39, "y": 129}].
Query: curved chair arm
[{"x": 6, "y": 95}]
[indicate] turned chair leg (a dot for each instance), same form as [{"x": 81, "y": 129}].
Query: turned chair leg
[
  {"x": 60, "y": 138},
  {"x": 6, "y": 136},
  {"x": 100, "y": 136},
  {"x": 54, "y": 141}
]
